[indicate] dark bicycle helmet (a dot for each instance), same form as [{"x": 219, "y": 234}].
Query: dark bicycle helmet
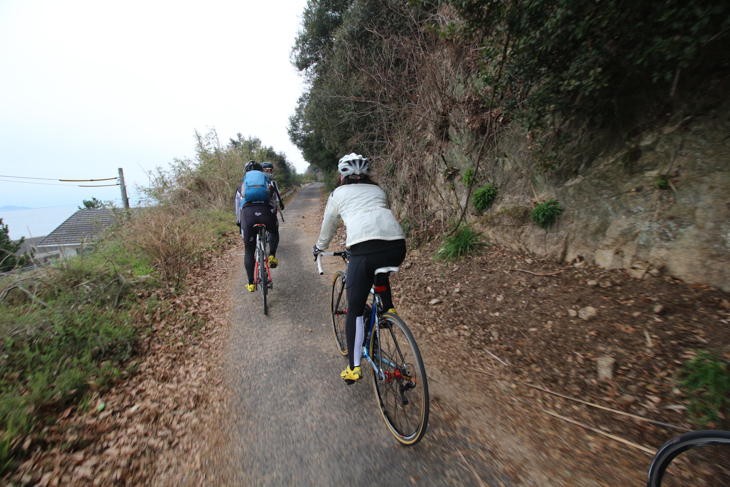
[
  {"x": 267, "y": 165},
  {"x": 354, "y": 166},
  {"x": 253, "y": 166}
]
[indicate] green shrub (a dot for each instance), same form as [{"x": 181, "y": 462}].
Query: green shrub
[
  {"x": 484, "y": 197},
  {"x": 405, "y": 225},
  {"x": 546, "y": 214},
  {"x": 706, "y": 380},
  {"x": 464, "y": 242},
  {"x": 661, "y": 181},
  {"x": 469, "y": 177}
]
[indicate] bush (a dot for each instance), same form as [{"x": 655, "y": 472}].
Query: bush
[
  {"x": 484, "y": 197},
  {"x": 546, "y": 214},
  {"x": 661, "y": 182},
  {"x": 707, "y": 381},
  {"x": 464, "y": 242},
  {"x": 171, "y": 241}
]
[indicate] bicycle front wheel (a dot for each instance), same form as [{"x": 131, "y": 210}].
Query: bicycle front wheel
[
  {"x": 339, "y": 311},
  {"x": 699, "y": 458},
  {"x": 263, "y": 275},
  {"x": 399, "y": 379}
]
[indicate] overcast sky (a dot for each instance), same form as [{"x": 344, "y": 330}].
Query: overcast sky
[{"x": 89, "y": 86}]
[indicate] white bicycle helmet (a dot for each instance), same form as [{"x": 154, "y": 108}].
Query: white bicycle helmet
[{"x": 354, "y": 166}]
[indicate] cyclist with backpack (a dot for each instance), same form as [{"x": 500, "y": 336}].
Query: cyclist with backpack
[
  {"x": 374, "y": 238},
  {"x": 275, "y": 195},
  {"x": 253, "y": 207}
]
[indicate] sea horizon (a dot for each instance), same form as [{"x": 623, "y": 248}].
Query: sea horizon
[{"x": 35, "y": 222}]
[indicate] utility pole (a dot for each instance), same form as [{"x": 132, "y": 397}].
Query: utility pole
[{"x": 125, "y": 201}]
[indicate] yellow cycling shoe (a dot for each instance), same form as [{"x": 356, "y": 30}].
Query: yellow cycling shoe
[
  {"x": 273, "y": 262},
  {"x": 350, "y": 376},
  {"x": 251, "y": 287},
  {"x": 392, "y": 311}
]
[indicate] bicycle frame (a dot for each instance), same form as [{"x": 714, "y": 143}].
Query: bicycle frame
[
  {"x": 261, "y": 242},
  {"x": 376, "y": 310}
]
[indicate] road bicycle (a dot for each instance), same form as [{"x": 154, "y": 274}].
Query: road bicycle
[
  {"x": 398, "y": 374},
  {"x": 711, "y": 460},
  {"x": 262, "y": 273}
]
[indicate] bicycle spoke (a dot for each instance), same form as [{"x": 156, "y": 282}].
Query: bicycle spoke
[{"x": 401, "y": 389}]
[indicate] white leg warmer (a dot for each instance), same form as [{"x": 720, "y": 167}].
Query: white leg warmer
[{"x": 359, "y": 336}]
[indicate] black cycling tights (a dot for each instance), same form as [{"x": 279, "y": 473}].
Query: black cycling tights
[
  {"x": 360, "y": 275},
  {"x": 252, "y": 215}
]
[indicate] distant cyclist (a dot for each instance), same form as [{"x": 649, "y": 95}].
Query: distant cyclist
[
  {"x": 253, "y": 207},
  {"x": 275, "y": 195},
  {"x": 374, "y": 238}
]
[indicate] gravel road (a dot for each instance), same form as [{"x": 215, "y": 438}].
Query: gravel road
[{"x": 292, "y": 421}]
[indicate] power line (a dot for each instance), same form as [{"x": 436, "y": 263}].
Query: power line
[
  {"x": 57, "y": 184},
  {"x": 62, "y": 180},
  {"x": 42, "y": 184},
  {"x": 85, "y": 180},
  {"x": 21, "y": 177}
]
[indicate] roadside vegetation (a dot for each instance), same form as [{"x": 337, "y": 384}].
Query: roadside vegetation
[
  {"x": 72, "y": 328},
  {"x": 447, "y": 96}
]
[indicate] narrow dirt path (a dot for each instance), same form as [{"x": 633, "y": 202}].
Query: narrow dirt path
[{"x": 289, "y": 419}]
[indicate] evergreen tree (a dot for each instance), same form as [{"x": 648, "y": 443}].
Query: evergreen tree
[
  {"x": 8, "y": 248},
  {"x": 92, "y": 204}
]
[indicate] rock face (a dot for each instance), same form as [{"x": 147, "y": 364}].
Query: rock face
[{"x": 656, "y": 204}]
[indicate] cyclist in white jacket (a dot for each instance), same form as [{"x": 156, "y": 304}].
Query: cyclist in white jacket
[{"x": 374, "y": 238}]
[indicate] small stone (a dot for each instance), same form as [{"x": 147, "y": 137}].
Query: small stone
[
  {"x": 434, "y": 302},
  {"x": 572, "y": 313},
  {"x": 658, "y": 309},
  {"x": 592, "y": 283},
  {"x": 588, "y": 313},
  {"x": 604, "y": 283},
  {"x": 605, "y": 367},
  {"x": 636, "y": 273}
]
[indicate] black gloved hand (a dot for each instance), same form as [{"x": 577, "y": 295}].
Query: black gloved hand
[
  {"x": 315, "y": 251},
  {"x": 238, "y": 224},
  {"x": 281, "y": 205}
]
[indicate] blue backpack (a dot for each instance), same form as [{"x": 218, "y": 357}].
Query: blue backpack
[{"x": 256, "y": 185}]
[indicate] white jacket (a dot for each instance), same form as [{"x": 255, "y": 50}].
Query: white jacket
[{"x": 363, "y": 209}]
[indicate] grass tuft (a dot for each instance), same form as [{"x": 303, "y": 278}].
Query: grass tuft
[
  {"x": 464, "y": 242},
  {"x": 706, "y": 380}
]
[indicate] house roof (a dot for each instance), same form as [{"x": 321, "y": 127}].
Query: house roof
[{"x": 81, "y": 227}]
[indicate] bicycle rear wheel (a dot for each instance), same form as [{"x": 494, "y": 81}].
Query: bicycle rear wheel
[
  {"x": 263, "y": 274},
  {"x": 338, "y": 307},
  {"x": 400, "y": 384},
  {"x": 707, "y": 465}
]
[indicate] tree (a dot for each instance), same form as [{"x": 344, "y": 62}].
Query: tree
[
  {"x": 92, "y": 204},
  {"x": 8, "y": 249}
]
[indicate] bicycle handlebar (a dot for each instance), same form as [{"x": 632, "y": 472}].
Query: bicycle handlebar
[{"x": 342, "y": 254}]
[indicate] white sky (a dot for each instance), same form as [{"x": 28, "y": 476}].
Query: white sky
[{"x": 90, "y": 86}]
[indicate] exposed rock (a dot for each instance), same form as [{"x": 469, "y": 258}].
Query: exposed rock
[
  {"x": 605, "y": 367},
  {"x": 587, "y": 313}
]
